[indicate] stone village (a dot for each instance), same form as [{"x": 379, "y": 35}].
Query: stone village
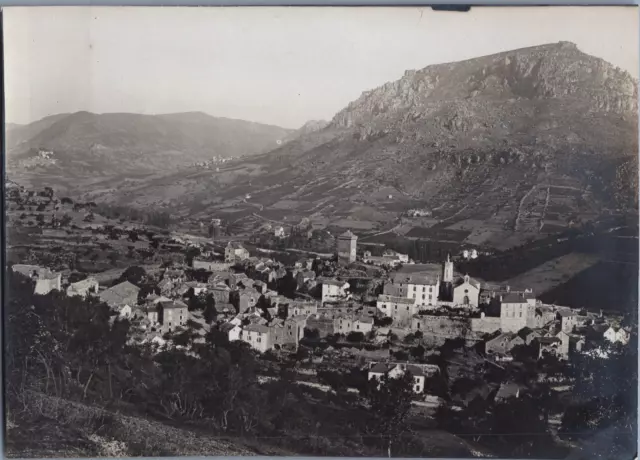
[{"x": 431, "y": 302}]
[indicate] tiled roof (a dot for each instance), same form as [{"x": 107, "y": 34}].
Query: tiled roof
[
  {"x": 549, "y": 340},
  {"x": 503, "y": 336},
  {"x": 472, "y": 282},
  {"x": 513, "y": 297},
  {"x": 566, "y": 313},
  {"x": 226, "y": 327},
  {"x": 84, "y": 284},
  {"x": 262, "y": 329},
  {"x": 332, "y": 282},
  {"x": 365, "y": 319},
  {"x": 380, "y": 368},
  {"x": 172, "y": 304},
  {"x": 508, "y": 390},
  {"x": 119, "y": 292},
  {"x": 416, "y": 278}
]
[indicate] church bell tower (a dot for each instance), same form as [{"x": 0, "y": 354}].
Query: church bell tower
[{"x": 448, "y": 270}]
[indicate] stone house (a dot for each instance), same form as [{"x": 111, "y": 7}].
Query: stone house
[
  {"x": 258, "y": 336},
  {"x": 173, "y": 314},
  {"x": 615, "y": 334},
  {"x": 151, "y": 312},
  {"x": 322, "y": 324},
  {"x": 210, "y": 265},
  {"x": 235, "y": 252},
  {"x": 529, "y": 335},
  {"x": 233, "y": 331},
  {"x": 302, "y": 277},
  {"x": 503, "y": 344},
  {"x": 423, "y": 287},
  {"x": 297, "y": 308},
  {"x": 304, "y": 264},
  {"x": 400, "y": 309},
  {"x": 221, "y": 293},
  {"x": 550, "y": 345},
  {"x": 45, "y": 279},
  {"x": 260, "y": 286},
  {"x": 237, "y": 280},
  {"x": 246, "y": 299},
  {"x": 344, "y": 324},
  {"x": 121, "y": 297},
  {"x": 517, "y": 311},
  {"x": 334, "y": 290},
  {"x": 287, "y": 332},
  {"x": 419, "y": 372},
  {"x": 568, "y": 319},
  {"x": 544, "y": 314},
  {"x": 83, "y": 288},
  {"x": 176, "y": 275}
]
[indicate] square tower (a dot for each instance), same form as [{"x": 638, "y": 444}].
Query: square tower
[{"x": 346, "y": 247}]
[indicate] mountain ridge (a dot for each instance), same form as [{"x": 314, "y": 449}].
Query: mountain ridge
[
  {"x": 481, "y": 140},
  {"x": 149, "y": 143}
]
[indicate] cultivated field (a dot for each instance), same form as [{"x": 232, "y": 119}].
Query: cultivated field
[{"x": 554, "y": 272}]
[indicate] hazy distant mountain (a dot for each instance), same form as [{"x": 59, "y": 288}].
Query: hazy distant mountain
[
  {"x": 309, "y": 127},
  {"x": 125, "y": 143}
]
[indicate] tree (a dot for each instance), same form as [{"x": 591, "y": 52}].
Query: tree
[
  {"x": 409, "y": 338},
  {"x": 135, "y": 275},
  {"x": 605, "y": 403},
  {"x": 210, "y": 313},
  {"x": 355, "y": 336},
  {"x": 418, "y": 352},
  {"x": 287, "y": 285},
  {"x": 390, "y": 404},
  {"x": 192, "y": 253},
  {"x": 65, "y": 220},
  {"x": 311, "y": 333},
  {"x": 520, "y": 429}
]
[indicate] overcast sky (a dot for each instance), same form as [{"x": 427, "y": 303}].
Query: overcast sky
[{"x": 281, "y": 66}]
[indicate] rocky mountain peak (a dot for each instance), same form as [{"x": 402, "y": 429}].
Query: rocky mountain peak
[{"x": 536, "y": 73}]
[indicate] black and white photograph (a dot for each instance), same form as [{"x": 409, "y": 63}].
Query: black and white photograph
[{"x": 321, "y": 231}]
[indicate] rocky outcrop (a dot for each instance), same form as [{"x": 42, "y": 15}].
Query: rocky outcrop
[{"x": 538, "y": 73}]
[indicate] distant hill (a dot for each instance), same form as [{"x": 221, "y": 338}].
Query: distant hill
[{"x": 124, "y": 143}]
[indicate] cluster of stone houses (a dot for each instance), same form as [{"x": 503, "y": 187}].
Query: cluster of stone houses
[{"x": 432, "y": 299}]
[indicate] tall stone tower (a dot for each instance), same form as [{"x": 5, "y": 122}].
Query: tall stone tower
[
  {"x": 446, "y": 287},
  {"x": 346, "y": 245},
  {"x": 448, "y": 271}
]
